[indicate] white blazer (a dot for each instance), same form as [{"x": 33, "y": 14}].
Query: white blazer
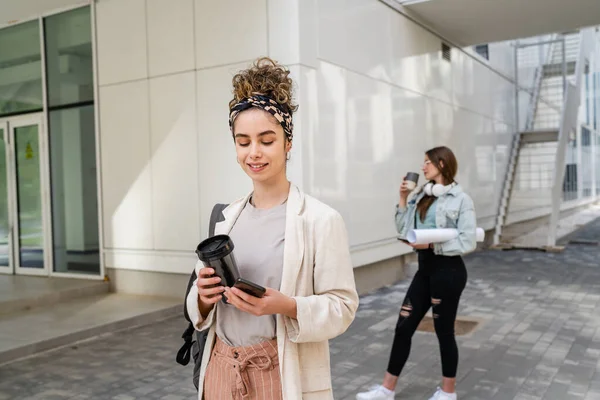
[{"x": 318, "y": 274}]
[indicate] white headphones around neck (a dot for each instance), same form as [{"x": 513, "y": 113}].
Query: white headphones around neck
[{"x": 437, "y": 189}]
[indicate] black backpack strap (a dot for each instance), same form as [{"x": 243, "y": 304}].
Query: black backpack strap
[
  {"x": 183, "y": 355},
  {"x": 216, "y": 216},
  {"x": 187, "y": 291}
]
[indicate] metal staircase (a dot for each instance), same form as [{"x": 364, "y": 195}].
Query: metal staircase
[
  {"x": 517, "y": 139},
  {"x": 568, "y": 124},
  {"x": 552, "y": 83}
]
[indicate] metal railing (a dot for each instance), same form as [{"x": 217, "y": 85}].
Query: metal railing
[
  {"x": 596, "y": 158},
  {"x": 530, "y": 60},
  {"x": 549, "y": 165},
  {"x": 568, "y": 125},
  {"x": 533, "y": 178},
  {"x": 530, "y": 165},
  {"x": 587, "y": 162},
  {"x": 541, "y": 81},
  {"x": 540, "y": 72}
]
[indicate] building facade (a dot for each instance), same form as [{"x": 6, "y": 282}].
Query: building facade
[{"x": 114, "y": 120}]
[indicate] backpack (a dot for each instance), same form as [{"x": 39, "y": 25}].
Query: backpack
[{"x": 191, "y": 347}]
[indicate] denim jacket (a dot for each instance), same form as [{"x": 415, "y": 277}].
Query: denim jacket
[{"x": 454, "y": 210}]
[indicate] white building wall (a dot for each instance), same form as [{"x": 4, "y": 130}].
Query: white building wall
[
  {"x": 384, "y": 96},
  {"x": 374, "y": 94},
  {"x": 164, "y": 69}
]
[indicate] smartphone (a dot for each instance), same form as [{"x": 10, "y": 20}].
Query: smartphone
[
  {"x": 251, "y": 288},
  {"x": 403, "y": 240}
]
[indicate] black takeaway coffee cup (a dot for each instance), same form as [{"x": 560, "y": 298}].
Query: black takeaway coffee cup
[
  {"x": 411, "y": 180},
  {"x": 217, "y": 253}
]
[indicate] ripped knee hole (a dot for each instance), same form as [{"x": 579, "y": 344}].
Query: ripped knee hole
[{"x": 405, "y": 310}]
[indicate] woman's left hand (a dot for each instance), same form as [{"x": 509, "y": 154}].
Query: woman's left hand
[
  {"x": 419, "y": 246},
  {"x": 273, "y": 302}
]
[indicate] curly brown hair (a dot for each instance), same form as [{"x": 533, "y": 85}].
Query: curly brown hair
[{"x": 268, "y": 78}]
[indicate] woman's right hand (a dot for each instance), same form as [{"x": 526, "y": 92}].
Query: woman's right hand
[
  {"x": 404, "y": 190},
  {"x": 209, "y": 290}
]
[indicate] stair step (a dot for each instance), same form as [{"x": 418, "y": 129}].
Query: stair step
[
  {"x": 556, "y": 69},
  {"x": 539, "y": 136},
  {"x": 43, "y": 328},
  {"x": 20, "y": 293}
]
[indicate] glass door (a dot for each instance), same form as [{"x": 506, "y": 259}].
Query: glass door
[
  {"x": 23, "y": 233},
  {"x": 6, "y": 265}
]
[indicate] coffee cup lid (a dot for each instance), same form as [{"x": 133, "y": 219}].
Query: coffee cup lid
[{"x": 214, "y": 247}]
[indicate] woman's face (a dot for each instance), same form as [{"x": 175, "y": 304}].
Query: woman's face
[
  {"x": 260, "y": 145},
  {"x": 430, "y": 170}
]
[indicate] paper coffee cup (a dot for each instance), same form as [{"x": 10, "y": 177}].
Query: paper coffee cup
[{"x": 411, "y": 180}]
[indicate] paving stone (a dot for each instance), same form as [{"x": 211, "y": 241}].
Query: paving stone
[{"x": 539, "y": 339}]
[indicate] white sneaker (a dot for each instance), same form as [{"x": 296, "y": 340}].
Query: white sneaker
[
  {"x": 441, "y": 395},
  {"x": 377, "y": 392}
]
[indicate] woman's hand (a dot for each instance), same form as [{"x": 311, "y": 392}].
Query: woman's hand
[
  {"x": 273, "y": 302},
  {"x": 420, "y": 246},
  {"x": 404, "y": 190},
  {"x": 209, "y": 290}
]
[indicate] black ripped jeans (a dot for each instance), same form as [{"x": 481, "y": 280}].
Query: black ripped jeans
[{"x": 438, "y": 283}]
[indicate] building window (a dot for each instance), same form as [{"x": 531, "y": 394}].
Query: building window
[
  {"x": 69, "y": 65},
  {"x": 69, "y": 61},
  {"x": 586, "y": 137},
  {"x": 446, "y": 52},
  {"x": 483, "y": 50},
  {"x": 20, "y": 69}
]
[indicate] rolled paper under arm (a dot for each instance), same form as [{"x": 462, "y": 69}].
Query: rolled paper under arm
[{"x": 423, "y": 236}]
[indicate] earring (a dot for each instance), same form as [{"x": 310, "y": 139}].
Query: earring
[{"x": 288, "y": 156}]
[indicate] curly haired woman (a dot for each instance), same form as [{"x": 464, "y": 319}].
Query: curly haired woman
[{"x": 276, "y": 346}]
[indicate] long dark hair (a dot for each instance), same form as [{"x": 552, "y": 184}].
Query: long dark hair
[{"x": 444, "y": 160}]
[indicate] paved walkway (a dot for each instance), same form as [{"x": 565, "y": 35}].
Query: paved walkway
[
  {"x": 567, "y": 224},
  {"x": 539, "y": 339}
]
